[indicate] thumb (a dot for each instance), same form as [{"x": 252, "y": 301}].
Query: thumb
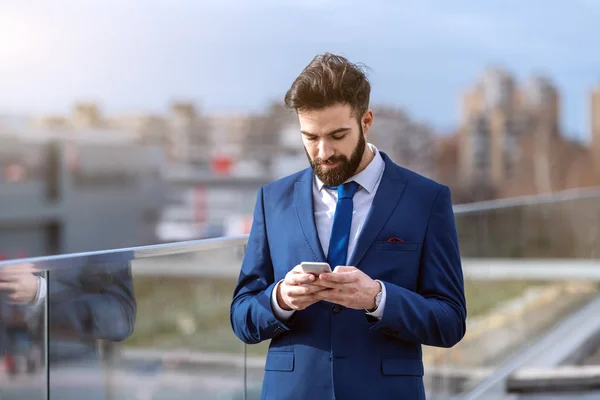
[{"x": 344, "y": 268}]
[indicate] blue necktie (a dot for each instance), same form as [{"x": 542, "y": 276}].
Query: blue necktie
[{"x": 342, "y": 221}]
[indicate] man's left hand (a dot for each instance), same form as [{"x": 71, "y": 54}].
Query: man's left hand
[
  {"x": 18, "y": 284},
  {"x": 349, "y": 287}
]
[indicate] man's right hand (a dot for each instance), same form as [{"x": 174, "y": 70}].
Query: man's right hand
[
  {"x": 296, "y": 291},
  {"x": 18, "y": 284}
]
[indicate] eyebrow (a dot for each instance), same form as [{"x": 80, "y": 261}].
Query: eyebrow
[{"x": 333, "y": 132}]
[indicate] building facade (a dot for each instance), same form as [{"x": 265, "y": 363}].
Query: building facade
[
  {"x": 510, "y": 142},
  {"x": 59, "y": 196}
]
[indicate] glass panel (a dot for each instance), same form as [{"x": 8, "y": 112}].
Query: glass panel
[
  {"x": 507, "y": 316},
  {"x": 151, "y": 328},
  {"x": 22, "y": 334},
  {"x": 256, "y": 355},
  {"x": 504, "y": 318},
  {"x": 556, "y": 229},
  {"x": 88, "y": 304}
]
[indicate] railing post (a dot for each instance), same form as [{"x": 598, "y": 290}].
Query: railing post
[
  {"x": 108, "y": 353},
  {"x": 46, "y": 335},
  {"x": 245, "y": 354}
]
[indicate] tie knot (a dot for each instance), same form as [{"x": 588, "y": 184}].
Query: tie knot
[{"x": 347, "y": 190}]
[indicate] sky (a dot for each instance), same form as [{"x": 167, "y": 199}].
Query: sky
[{"x": 238, "y": 55}]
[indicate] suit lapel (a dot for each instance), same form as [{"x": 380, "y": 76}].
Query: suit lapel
[
  {"x": 388, "y": 194},
  {"x": 303, "y": 202}
]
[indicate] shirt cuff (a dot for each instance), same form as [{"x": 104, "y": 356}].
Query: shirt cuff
[
  {"x": 37, "y": 304},
  {"x": 41, "y": 293},
  {"x": 279, "y": 312},
  {"x": 378, "y": 313}
]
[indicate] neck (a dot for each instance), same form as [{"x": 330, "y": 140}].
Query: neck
[{"x": 367, "y": 157}]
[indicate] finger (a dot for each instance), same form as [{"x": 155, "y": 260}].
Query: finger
[
  {"x": 317, "y": 288},
  {"x": 6, "y": 287},
  {"x": 344, "y": 268},
  {"x": 330, "y": 285},
  {"x": 297, "y": 291},
  {"x": 297, "y": 269},
  {"x": 322, "y": 284},
  {"x": 303, "y": 290},
  {"x": 332, "y": 296},
  {"x": 338, "y": 277},
  {"x": 19, "y": 269},
  {"x": 303, "y": 302},
  {"x": 299, "y": 279},
  {"x": 11, "y": 276}
]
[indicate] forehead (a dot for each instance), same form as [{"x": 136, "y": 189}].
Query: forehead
[{"x": 323, "y": 121}]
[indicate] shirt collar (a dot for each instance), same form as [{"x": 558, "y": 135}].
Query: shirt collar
[{"x": 368, "y": 177}]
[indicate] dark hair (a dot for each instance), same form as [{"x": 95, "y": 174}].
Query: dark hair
[{"x": 330, "y": 79}]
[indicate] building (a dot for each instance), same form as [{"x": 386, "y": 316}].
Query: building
[
  {"x": 595, "y": 127},
  {"x": 489, "y": 129},
  {"x": 64, "y": 195},
  {"x": 510, "y": 141},
  {"x": 182, "y": 133},
  {"x": 188, "y": 135},
  {"x": 407, "y": 142},
  {"x": 203, "y": 205}
]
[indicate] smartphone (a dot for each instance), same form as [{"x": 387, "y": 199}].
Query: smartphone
[{"x": 315, "y": 267}]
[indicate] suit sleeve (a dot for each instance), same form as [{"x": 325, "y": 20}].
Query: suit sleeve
[
  {"x": 436, "y": 314},
  {"x": 251, "y": 315},
  {"x": 95, "y": 302}
]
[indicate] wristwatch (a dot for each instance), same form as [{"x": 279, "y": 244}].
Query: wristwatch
[{"x": 377, "y": 300}]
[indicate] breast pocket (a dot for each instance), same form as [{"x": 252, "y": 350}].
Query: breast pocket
[
  {"x": 396, "y": 246},
  {"x": 394, "y": 262}
]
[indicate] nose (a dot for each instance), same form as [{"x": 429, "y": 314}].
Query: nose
[{"x": 325, "y": 150}]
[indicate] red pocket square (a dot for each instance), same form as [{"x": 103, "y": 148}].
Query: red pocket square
[{"x": 395, "y": 240}]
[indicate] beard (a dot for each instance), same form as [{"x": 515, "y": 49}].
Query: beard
[{"x": 347, "y": 168}]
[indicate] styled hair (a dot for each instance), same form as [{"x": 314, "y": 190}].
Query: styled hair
[{"x": 327, "y": 80}]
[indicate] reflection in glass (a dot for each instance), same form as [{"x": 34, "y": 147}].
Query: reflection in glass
[
  {"x": 22, "y": 333},
  {"x": 86, "y": 307},
  {"x": 153, "y": 328}
]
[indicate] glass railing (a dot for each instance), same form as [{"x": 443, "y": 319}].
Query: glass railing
[
  {"x": 153, "y": 322},
  {"x": 529, "y": 265},
  {"x": 144, "y": 323},
  {"x": 558, "y": 225}
]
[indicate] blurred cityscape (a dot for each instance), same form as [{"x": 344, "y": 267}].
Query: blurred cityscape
[
  {"x": 186, "y": 174},
  {"x": 81, "y": 172}
]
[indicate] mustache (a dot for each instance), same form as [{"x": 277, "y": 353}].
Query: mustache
[{"x": 330, "y": 160}]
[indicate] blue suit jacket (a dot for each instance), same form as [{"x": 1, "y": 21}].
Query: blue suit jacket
[
  {"x": 329, "y": 352},
  {"x": 86, "y": 304}
]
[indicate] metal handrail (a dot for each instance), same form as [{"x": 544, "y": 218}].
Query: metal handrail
[
  {"x": 537, "y": 199},
  {"x": 49, "y": 263},
  {"x": 127, "y": 254}
]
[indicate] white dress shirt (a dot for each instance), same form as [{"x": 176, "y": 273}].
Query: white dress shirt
[
  {"x": 325, "y": 201},
  {"x": 41, "y": 293}
]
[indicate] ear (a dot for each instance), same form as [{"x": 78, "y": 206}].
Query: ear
[{"x": 367, "y": 121}]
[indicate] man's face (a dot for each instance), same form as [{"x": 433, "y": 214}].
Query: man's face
[{"x": 334, "y": 142}]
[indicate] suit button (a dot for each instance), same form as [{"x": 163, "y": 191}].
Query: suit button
[{"x": 336, "y": 308}]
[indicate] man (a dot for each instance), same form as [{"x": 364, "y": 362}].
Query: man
[
  {"x": 389, "y": 234},
  {"x": 85, "y": 304}
]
